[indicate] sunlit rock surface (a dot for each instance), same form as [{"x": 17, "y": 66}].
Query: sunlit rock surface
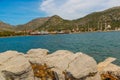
[
  {"x": 38, "y": 64},
  {"x": 14, "y": 66},
  {"x": 67, "y": 64},
  {"x": 108, "y": 70}
]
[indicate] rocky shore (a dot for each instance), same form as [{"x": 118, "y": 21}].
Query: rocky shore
[{"x": 38, "y": 64}]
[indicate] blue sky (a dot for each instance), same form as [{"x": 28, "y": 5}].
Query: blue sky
[
  {"x": 19, "y": 11},
  {"x": 22, "y": 11}
]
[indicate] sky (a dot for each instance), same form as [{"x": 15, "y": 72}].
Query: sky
[{"x": 17, "y": 12}]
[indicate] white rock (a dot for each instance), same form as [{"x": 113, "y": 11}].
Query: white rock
[
  {"x": 14, "y": 65},
  {"x": 102, "y": 65},
  {"x": 61, "y": 53},
  {"x": 59, "y": 60},
  {"x": 82, "y": 65},
  {"x": 38, "y": 52},
  {"x": 107, "y": 66},
  {"x": 36, "y": 55}
]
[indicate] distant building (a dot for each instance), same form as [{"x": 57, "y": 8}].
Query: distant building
[
  {"x": 108, "y": 27},
  {"x": 35, "y": 33}
]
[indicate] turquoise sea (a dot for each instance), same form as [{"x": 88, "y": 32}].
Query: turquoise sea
[{"x": 99, "y": 45}]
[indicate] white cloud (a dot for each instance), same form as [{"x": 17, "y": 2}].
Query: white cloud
[{"x": 72, "y": 9}]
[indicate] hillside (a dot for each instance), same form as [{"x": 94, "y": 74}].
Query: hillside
[
  {"x": 5, "y": 27},
  {"x": 98, "y": 21},
  {"x": 32, "y": 25},
  {"x": 56, "y": 23},
  {"x": 103, "y": 20}
]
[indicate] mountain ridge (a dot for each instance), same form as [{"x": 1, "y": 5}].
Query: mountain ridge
[
  {"x": 91, "y": 22},
  {"x": 5, "y": 27},
  {"x": 33, "y": 22}
]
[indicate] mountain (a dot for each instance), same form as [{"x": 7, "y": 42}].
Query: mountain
[
  {"x": 49, "y": 23},
  {"x": 100, "y": 20},
  {"x": 56, "y": 23},
  {"x": 5, "y": 27},
  {"x": 103, "y": 20},
  {"x": 32, "y": 25},
  {"x": 91, "y": 22}
]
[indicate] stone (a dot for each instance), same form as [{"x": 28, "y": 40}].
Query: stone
[
  {"x": 83, "y": 67},
  {"x": 14, "y": 66},
  {"x": 105, "y": 63},
  {"x": 109, "y": 70},
  {"x": 59, "y": 60},
  {"x": 37, "y": 52},
  {"x": 36, "y": 55},
  {"x": 68, "y": 65}
]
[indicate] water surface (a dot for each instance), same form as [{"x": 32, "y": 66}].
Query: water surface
[{"x": 99, "y": 45}]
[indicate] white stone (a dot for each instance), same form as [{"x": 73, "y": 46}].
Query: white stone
[
  {"x": 82, "y": 65},
  {"x": 37, "y": 52},
  {"x": 15, "y": 65},
  {"x": 108, "y": 66},
  {"x": 105, "y": 63},
  {"x": 36, "y": 55}
]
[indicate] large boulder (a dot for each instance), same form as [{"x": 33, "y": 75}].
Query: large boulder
[
  {"x": 83, "y": 67},
  {"x": 68, "y": 65},
  {"x": 108, "y": 70},
  {"x": 36, "y": 55},
  {"x": 14, "y": 66},
  {"x": 59, "y": 60}
]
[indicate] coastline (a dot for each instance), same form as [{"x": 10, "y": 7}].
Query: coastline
[
  {"x": 61, "y": 33},
  {"x": 14, "y": 36}
]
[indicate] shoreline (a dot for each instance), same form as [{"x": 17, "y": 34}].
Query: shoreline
[{"x": 59, "y": 33}]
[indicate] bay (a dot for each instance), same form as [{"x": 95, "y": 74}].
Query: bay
[{"x": 99, "y": 45}]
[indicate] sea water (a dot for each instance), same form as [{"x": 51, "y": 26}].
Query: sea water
[{"x": 99, "y": 45}]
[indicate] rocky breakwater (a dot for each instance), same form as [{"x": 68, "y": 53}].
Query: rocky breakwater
[
  {"x": 37, "y": 64},
  {"x": 63, "y": 65}
]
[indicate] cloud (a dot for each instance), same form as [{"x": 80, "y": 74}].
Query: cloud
[{"x": 72, "y": 9}]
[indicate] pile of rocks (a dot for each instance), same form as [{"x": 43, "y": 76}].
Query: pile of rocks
[{"x": 38, "y": 64}]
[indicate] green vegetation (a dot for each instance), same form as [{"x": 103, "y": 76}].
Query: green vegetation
[
  {"x": 55, "y": 23},
  {"x": 9, "y": 33}
]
